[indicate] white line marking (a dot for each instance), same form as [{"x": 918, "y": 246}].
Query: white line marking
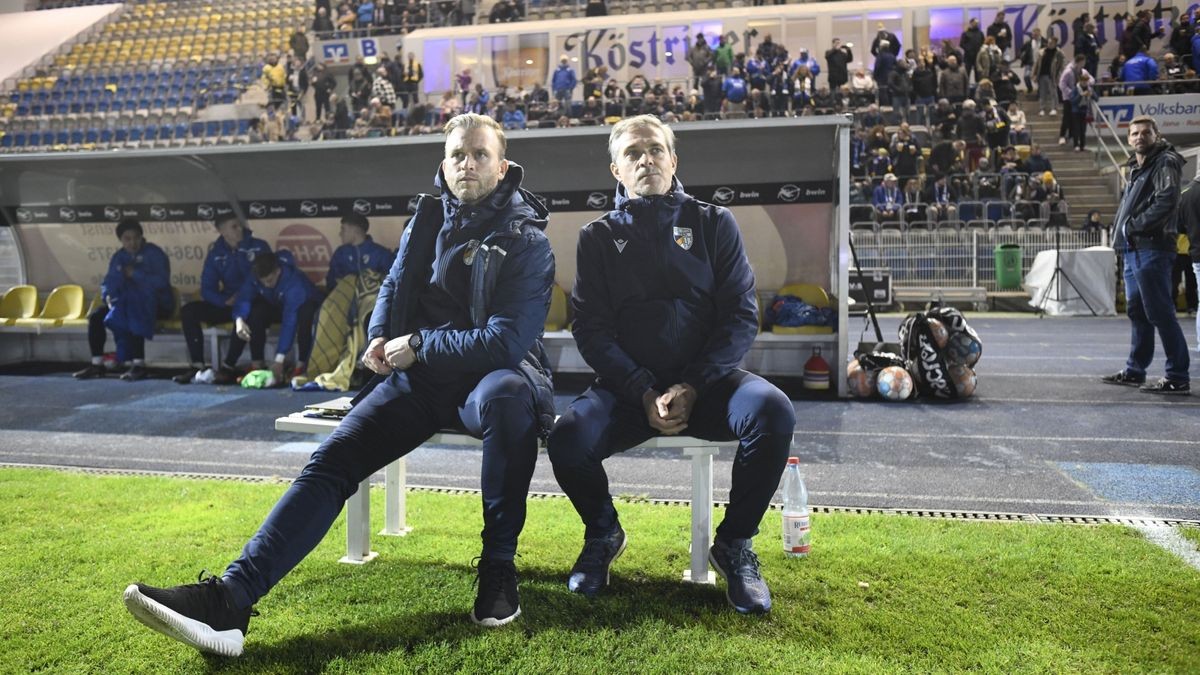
[
  {"x": 990, "y": 437},
  {"x": 1169, "y": 539}
]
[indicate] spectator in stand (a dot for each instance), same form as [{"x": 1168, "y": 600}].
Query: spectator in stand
[
  {"x": 998, "y": 129},
  {"x": 1173, "y": 70},
  {"x": 712, "y": 88},
  {"x": 1142, "y": 71},
  {"x": 985, "y": 182},
  {"x": 1010, "y": 169},
  {"x": 1050, "y": 193},
  {"x": 806, "y": 61},
  {"x": 1088, "y": 46},
  {"x": 1023, "y": 197},
  {"x": 914, "y": 201},
  {"x": 135, "y": 293},
  {"x": 381, "y": 88},
  {"x": 906, "y": 158},
  {"x": 323, "y": 86},
  {"x": 757, "y": 72},
  {"x": 276, "y": 292},
  {"x": 699, "y": 57},
  {"x": 879, "y": 165},
  {"x": 837, "y": 60},
  {"x": 948, "y": 49},
  {"x": 758, "y": 105},
  {"x": 944, "y": 119},
  {"x": 862, "y": 88},
  {"x": 591, "y": 113},
  {"x": 942, "y": 198},
  {"x": 340, "y": 122},
  {"x": 872, "y": 118},
  {"x": 858, "y": 152},
  {"x": 481, "y": 99},
  {"x": 1005, "y": 82},
  {"x": 780, "y": 87},
  {"x": 414, "y": 74},
  {"x": 539, "y": 99},
  {"x": 637, "y": 86},
  {"x": 887, "y": 199},
  {"x": 448, "y": 107},
  {"x": 1081, "y": 106},
  {"x": 766, "y": 49},
  {"x": 1130, "y": 45},
  {"x": 462, "y": 82},
  {"x": 735, "y": 91},
  {"x": 971, "y": 42},
  {"x": 365, "y": 15},
  {"x": 359, "y": 90},
  {"x": 322, "y": 25},
  {"x": 1001, "y": 33},
  {"x": 1066, "y": 89},
  {"x": 563, "y": 82},
  {"x": 274, "y": 79},
  {"x": 885, "y": 63},
  {"x": 271, "y": 124},
  {"x": 1181, "y": 38},
  {"x": 1093, "y": 222},
  {"x": 901, "y": 87},
  {"x": 297, "y": 86},
  {"x": 723, "y": 57},
  {"x": 973, "y": 130},
  {"x": 1049, "y": 67},
  {"x": 952, "y": 84},
  {"x": 1035, "y": 163},
  {"x": 1033, "y": 46},
  {"x": 1018, "y": 133},
  {"x": 595, "y": 8},
  {"x": 883, "y": 35},
  {"x": 299, "y": 44},
  {"x": 988, "y": 60},
  {"x": 802, "y": 85},
  {"x": 1196, "y": 45},
  {"x": 924, "y": 85},
  {"x": 466, "y": 12},
  {"x": 984, "y": 92},
  {"x": 347, "y": 17},
  {"x": 824, "y": 102}
]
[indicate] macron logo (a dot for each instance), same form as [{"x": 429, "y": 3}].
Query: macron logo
[{"x": 620, "y": 243}]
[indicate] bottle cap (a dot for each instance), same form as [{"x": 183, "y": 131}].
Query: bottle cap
[{"x": 793, "y": 460}]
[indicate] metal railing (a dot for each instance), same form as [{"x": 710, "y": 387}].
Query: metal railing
[{"x": 964, "y": 258}]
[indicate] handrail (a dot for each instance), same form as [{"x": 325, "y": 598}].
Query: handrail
[{"x": 1101, "y": 121}]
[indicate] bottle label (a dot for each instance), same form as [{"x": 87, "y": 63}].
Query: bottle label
[{"x": 797, "y": 536}]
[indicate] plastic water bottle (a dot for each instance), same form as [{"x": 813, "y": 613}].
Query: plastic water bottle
[{"x": 797, "y": 535}]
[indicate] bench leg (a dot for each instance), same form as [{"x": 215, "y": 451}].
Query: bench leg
[
  {"x": 396, "y": 482},
  {"x": 214, "y": 348},
  {"x": 358, "y": 526},
  {"x": 702, "y": 508}
]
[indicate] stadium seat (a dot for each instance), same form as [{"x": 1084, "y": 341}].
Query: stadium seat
[
  {"x": 64, "y": 302},
  {"x": 18, "y": 302},
  {"x": 557, "y": 318}
]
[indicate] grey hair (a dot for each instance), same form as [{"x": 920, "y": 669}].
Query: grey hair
[{"x": 639, "y": 122}]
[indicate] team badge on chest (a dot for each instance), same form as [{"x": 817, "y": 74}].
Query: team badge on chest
[{"x": 683, "y": 237}]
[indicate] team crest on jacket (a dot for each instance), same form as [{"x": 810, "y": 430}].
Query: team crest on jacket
[{"x": 683, "y": 237}]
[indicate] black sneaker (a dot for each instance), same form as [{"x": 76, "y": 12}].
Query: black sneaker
[
  {"x": 591, "y": 571},
  {"x": 1124, "y": 378},
  {"x": 497, "y": 602},
  {"x": 93, "y": 370},
  {"x": 201, "y": 615},
  {"x": 1165, "y": 386},
  {"x": 186, "y": 376},
  {"x": 136, "y": 372},
  {"x": 744, "y": 586}
]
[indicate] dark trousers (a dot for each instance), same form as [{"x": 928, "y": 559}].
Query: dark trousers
[
  {"x": 262, "y": 315},
  {"x": 321, "y": 104},
  {"x": 394, "y": 419},
  {"x": 1184, "y": 272},
  {"x": 192, "y": 316},
  {"x": 1079, "y": 128},
  {"x": 1150, "y": 304},
  {"x": 742, "y": 406},
  {"x": 129, "y": 346}
]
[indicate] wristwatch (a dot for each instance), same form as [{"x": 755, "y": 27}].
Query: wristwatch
[{"x": 414, "y": 343}]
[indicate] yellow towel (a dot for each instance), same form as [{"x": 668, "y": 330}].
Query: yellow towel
[{"x": 341, "y": 336}]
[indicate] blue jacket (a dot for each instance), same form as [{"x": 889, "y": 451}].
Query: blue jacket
[
  {"x": 291, "y": 291},
  {"x": 880, "y": 198},
  {"x": 137, "y": 300},
  {"x": 349, "y": 259},
  {"x": 663, "y": 295},
  {"x": 1140, "y": 68},
  {"x": 735, "y": 89},
  {"x": 226, "y": 271},
  {"x": 564, "y": 78},
  {"x": 507, "y": 297},
  {"x": 885, "y": 62},
  {"x": 514, "y": 119},
  {"x": 804, "y": 60},
  {"x": 366, "y": 13},
  {"x": 1196, "y": 52}
]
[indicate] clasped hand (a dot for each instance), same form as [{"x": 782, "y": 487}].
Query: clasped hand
[
  {"x": 383, "y": 355},
  {"x": 668, "y": 412}
]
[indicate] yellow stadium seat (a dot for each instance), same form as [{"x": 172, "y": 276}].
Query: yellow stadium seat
[
  {"x": 19, "y": 302},
  {"x": 65, "y": 302},
  {"x": 813, "y": 295},
  {"x": 556, "y": 319},
  {"x": 82, "y": 320}
]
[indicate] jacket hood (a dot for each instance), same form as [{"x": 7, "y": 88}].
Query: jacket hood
[
  {"x": 1160, "y": 147},
  {"x": 507, "y": 201}
]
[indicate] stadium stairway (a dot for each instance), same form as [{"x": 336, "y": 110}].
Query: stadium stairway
[{"x": 1076, "y": 172}]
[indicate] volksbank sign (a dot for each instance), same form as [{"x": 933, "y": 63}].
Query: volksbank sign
[{"x": 1179, "y": 113}]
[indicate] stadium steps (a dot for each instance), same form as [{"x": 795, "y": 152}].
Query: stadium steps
[{"x": 1076, "y": 172}]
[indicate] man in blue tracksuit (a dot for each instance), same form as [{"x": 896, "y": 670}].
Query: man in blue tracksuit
[
  {"x": 227, "y": 268},
  {"x": 664, "y": 312},
  {"x": 136, "y": 292},
  {"x": 358, "y": 252},
  {"x": 277, "y": 292},
  {"x": 455, "y": 340},
  {"x": 563, "y": 83}
]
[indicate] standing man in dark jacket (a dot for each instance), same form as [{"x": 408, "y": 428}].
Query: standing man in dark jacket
[
  {"x": 227, "y": 268},
  {"x": 135, "y": 292},
  {"x": 883, "y": 35},
  {"x": 700, "y": 57},
  {"x": 453, "y": 338},
  {"x": 664, "y": 312},
  {"x": 970, "y": 42},
  {"x": 324, "y": 84},
  {"x": 1145, "y": 231},
  {"x": 837, "y": 61},
  {"x": 1002, "y": 32}
]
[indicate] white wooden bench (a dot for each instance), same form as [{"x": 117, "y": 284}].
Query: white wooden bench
[{"x": 358, "y": 507}]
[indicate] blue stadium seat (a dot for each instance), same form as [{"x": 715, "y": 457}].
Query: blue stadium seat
[
  {"x": 150, "y": 133},
  {"x": 76, "y": 136},
  {"x": 19, "y": 139},
  {"x": 121, "y": 134},
  {"x": 243, "y": 127},
  {"x": 6, "y": 141},
  {"x": 197, "y": 129},
  {"x": 47, "y": 138},
  {"x": 35, "y": 109},
  {"x": 181, "y": 130},
  {"x": 92, "y": 135},
  {"x": 212, "y": 128},
  {"x": 135, "y": 132},
  {"x": 106, "y": 135},
  {"x": 998, "y": 211},
  {"x": 228, "y": 127}
]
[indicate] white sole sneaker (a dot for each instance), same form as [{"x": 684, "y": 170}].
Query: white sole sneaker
[
  {"x": 492, "y": 623},
  {"x": 179, "y": 627}
]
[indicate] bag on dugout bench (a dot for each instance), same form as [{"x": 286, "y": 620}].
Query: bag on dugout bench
[{"x": 941, "y": 350}]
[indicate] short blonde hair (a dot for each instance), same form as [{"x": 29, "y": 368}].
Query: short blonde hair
[
  {"x": 477, "y": 121},
  {"x": 639, "y": 122}
]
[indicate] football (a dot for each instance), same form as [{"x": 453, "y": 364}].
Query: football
[
  {"x": 940, "y": 335},
  {"x": 860, "y": 381},
  {"x": 963, "y": 349},
  {"x": 964, "y": 380},
  {"x": 894, "y": 383}
]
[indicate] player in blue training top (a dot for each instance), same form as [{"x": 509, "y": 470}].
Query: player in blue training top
[{"x": 358, "y": 252}]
